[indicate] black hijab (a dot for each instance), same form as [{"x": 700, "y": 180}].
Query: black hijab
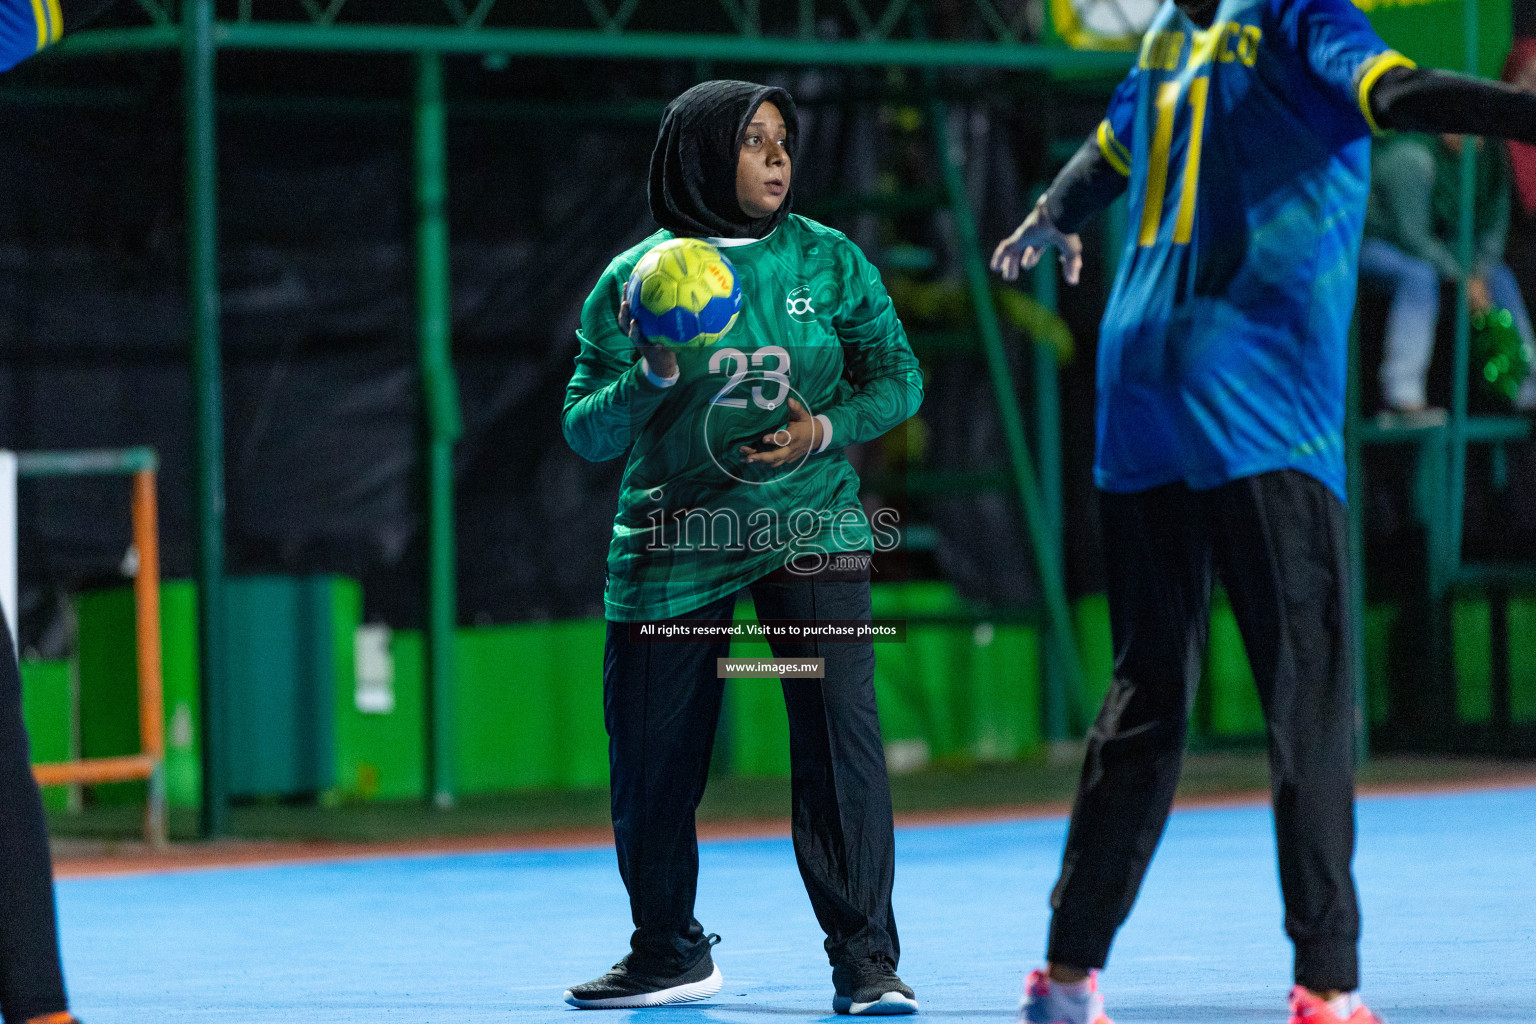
[
  {"x": 1201, "y": 12},
  {"x": 693, "y": 167}
]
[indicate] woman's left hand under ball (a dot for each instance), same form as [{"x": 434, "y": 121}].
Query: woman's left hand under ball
[{"x": 789, "y": 443}]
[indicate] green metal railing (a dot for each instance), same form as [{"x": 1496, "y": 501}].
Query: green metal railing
[
  {"x": 576, "y": 43},
  {"x": 443, "y": 422},
  {"x": 1000, "y": 22},
  {"x": 89, "y": 462},
  {"x": 1444, "y": 575},
  {"x": 199, "y": 59}
]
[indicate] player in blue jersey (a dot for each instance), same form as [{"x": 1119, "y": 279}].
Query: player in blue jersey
[
  {"x": 1242, "y": 136},
  {"x": 31, "y": 978}
]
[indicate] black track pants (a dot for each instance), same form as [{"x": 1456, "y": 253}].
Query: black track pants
[
  {"x": 661, "y": 702},
  {"x": 1278, "y": 542},
  {"x": 31, "y": 980}
]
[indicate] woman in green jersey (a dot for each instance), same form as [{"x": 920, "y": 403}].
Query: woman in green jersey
[{"x": 735, "y": 477}]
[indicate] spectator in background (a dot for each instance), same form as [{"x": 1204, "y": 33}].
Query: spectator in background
[
  {"x": 1520, "y": 251},
  {"x": 1411, "y": 228}
]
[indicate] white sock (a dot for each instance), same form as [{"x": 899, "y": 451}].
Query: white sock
[
  {"x": 1076, "y": 990},
  {"x": 1344, "y": 1005}
]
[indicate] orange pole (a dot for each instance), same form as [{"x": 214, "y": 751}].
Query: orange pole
[
  {"x": 146, "y": 609},
  {"x": 146, "y": 613}
]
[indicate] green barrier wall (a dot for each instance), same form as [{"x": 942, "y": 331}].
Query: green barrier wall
[
  {"x": 281, "y": 645},
  {"x": 378, "y": 754},
  {"x": 955, "y": 692},
  {"x": 109, "y": 679},
  {"x": 1228, "y": 707},
  {"x": 1231, "y": 699},
  {"x": 1380, "y": 621},
  {"x": 1474, "y": 663},
  {"x": 1091, "y": 617},
  {"x": 969, "y": 689},
  {"x": 530, "y": 695},
  {"x": 531, "y": 707},
  {"x": 1432, "y": 32},
  {"x": 755, "y": 727},
  {"x": 530, "y": 715},
  {"x": 46, "y": 709},
  {"x": 284, "y": 665}
]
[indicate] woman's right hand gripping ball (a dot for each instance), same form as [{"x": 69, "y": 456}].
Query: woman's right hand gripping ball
[{"x": 661, "y": 360}]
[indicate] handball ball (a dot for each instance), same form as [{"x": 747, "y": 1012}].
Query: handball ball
[{"x": 684, "y": 293}]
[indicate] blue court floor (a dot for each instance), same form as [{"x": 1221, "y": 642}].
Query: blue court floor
[{"x": 1448, "y": 887}]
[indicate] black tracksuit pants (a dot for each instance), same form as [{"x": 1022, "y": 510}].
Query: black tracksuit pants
[
  {"x": 661, "y": 702},
  {"x": 1278, "y": 542},
  {"x": 31, "y": 979}
]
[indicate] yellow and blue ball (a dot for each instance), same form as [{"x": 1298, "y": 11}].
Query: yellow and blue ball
[{"x": 684, "y": 293}]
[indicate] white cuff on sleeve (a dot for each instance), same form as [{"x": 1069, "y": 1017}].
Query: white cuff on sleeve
[
  {"x": 654, "y": 378},
  {"x": 826, "y": 433}
]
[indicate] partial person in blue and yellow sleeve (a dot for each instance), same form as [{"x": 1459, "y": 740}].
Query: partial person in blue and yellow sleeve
[
  {"x": 29, "y": 26},
  {"x": 1241, "y": 138},
  {"x": 26, "y": 27}
]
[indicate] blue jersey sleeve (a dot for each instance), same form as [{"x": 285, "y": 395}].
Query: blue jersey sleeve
[
  {"x": 1341, "y": 50},
  {"x": 26, "y": 26},
  {"x": 1115, "y": 134}
]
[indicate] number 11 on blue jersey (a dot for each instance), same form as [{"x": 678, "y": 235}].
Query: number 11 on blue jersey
[{"x": 1158, "y": 162}]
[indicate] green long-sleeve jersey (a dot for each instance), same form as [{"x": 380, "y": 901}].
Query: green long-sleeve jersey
[{"x": 695, "y": 522}]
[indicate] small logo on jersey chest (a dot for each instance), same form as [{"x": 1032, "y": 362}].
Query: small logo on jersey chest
[{"x": 799, "y": 306}]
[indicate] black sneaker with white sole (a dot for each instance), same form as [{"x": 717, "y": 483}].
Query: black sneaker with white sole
[
  {"x": 869, "y": 987},
  {"x": 631, "y": 985}
]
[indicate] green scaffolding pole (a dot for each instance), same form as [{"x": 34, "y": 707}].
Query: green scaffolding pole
[
  {"x": 1060, "y": 713},
  {"x": 199, "y": 59},
  {"x": 1066, "y": 687},
  {"x": 1457, "y": 435},
  {"x": 443, "y": 424},
  {"x": 1445, "y": 538}
]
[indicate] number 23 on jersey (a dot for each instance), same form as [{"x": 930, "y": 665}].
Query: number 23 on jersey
[{"x": 776, "y": 374}]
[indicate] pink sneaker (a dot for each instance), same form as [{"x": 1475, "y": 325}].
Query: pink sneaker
[
  {"x": 1307, "y": 1008},
  {"x": 1049, "y": 1002}
]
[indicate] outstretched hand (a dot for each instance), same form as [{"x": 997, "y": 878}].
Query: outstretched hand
[
  {"x": 790, "y": 442},
  {"x": 1028, "y": 243},
  {"x": 1479, "y": 297},
  {"x": 661, "y": 360}
]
